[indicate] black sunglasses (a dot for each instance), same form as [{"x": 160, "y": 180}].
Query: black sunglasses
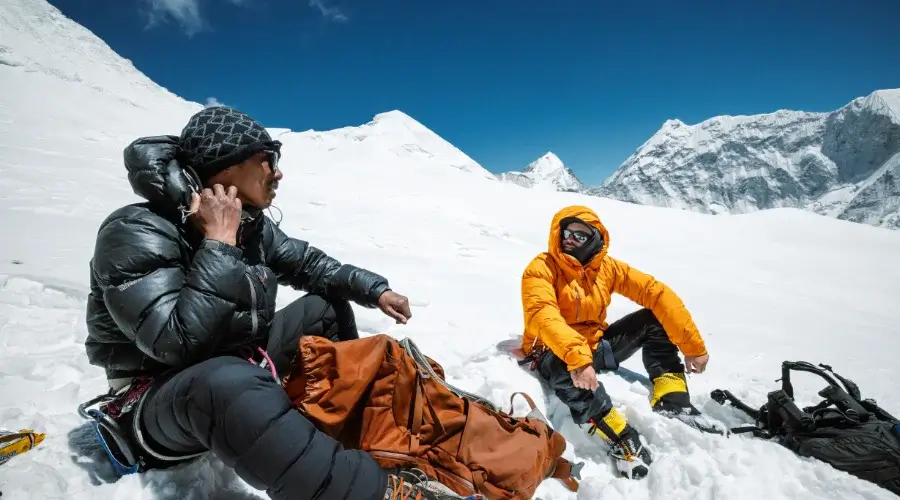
[
  {"x": 273, "y": 156},
  {"x": 580, "y": 236}
]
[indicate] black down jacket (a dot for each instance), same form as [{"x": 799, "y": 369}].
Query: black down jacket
[{"x": 162, "y": 296}]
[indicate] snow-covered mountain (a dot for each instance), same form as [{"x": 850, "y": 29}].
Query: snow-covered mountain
[
  {"x": 844, "y": 164},
  {"x": 546, "y": 173},
  {"x": 451, "y": 239},
  {"x": 55, "y": 69},
  {"x": 394, "y": 134}
]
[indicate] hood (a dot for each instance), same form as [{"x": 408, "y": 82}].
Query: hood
[
  {"x": 156, "y": 175},
  {"x": 564, "y": 260}
]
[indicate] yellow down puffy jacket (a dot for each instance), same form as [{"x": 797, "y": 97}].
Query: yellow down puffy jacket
[{"x": 564, "y": 303}]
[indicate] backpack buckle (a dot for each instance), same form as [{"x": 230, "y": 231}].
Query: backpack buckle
[{"x": 783, "y": 412}]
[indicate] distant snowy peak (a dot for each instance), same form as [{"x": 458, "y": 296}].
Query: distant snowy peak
[
  {"x": 547, "y": 165},
  {"x": 886, "y": 102},
  {"x": 841, "y": 163},
  {"x": 402, "y": 136},
  {"x": 417, "y": 139},
  {"x": 547, "y": 173}
]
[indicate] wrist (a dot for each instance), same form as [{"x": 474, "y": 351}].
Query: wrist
[
  {"x": 229, "y": 240},
  {"x": 380, "y": 290},
  {"x": 222, "y": 247}
]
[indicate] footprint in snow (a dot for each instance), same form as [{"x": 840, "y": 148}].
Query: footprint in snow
[{"x": 466, "y": 251}]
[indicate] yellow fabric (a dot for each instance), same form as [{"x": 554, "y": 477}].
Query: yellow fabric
[
  {"x": 667, "y": 384},
  {"x": 564, "y": 303},
  {"x": 16, "y": 443},
  {"x": 616, "y": 421}
]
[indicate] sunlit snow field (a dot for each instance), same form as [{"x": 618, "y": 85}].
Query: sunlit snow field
[{"x": 393, "y": 197}]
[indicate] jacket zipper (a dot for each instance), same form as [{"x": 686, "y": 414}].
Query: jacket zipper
[
  {"x": 254, "y": 320},
  {"x": 584, "y": 282},
  {"x": 577, "y": 305}
]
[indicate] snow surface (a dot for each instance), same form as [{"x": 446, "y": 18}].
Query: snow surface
[{"x": 773, "y": 285}]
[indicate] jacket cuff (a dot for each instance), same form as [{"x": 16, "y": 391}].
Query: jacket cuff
[
  {"x": 582, "y": 356},
  {"x": 378, "y": 291},
  {"x": 223, "y": 247},
  {"x": 693, "y": 348}
]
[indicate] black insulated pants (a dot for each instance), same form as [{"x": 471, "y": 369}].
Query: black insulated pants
[
  {"x": 623, "y": 338},
  {"x": 236, "y": 409}
]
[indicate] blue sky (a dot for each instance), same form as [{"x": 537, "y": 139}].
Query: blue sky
[{"x": 506, "y": 81}]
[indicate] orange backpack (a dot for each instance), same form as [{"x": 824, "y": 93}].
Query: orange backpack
[{"x": 384, "y": 397}]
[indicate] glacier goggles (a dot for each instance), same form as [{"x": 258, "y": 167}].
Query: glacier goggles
[
  {"x": 580, "y": 236},
  {"x": 273, "y": 155}
]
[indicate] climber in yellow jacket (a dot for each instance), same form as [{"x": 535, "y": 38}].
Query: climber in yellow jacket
[{"x": 565, "y": 294}]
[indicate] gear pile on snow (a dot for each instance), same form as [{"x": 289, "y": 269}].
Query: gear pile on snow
[
  {"x": 16, "y": 443},
  {"x": 848, "y": 432}
]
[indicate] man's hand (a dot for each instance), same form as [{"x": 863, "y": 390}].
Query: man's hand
[
  {"x": 585, "y": 378},
  {"x": 696, "y": 364},
  {"x": 395, "y": 305},
  {"x": 217, "y": 213}
]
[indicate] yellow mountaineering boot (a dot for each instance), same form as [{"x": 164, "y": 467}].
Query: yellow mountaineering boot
[
  {"x": 670, "y": 392},
  {"x": 672, "y": 399},
  {"x": 632, "y": 459}
]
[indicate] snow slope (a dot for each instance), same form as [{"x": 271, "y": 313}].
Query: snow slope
[
  {"x": 546, "y": 173},
  {"x": 399, "y": 136},
  {"x": 836, "y": 164},
  {"x": 764, "y": 287}
]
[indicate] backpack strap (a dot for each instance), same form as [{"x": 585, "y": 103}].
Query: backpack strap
[
  {"x": 567, "y": 473},
  {"x": 415, "y": 424},
  {"x": 869, "y": 404},
  {"x": 533, "y": 413},
  {"x": 425, "y": 370},
  {"x": 842, "y": 404},
  {"x": 564, "y": 470},
  {"x": 528, "y": 399},
  {"x": 842, "y": 397},
  {"x": 419, "y": 404}
]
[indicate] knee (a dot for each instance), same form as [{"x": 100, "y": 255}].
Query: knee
[
  {"x": 227, "y": 378},
  {"x": 337, "y": 307},
  {"x": 324, "y": 307},
  {"x": 646, "y": 317},
  {"x": 331, "y": 317},
  {"x": 550, "y": 367},
  {"x": 650, "y": 326}
]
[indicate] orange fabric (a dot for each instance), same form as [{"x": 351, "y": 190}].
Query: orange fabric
[
  {"x": 565, "y": 303},
  {"x": 370, "y": 394}
]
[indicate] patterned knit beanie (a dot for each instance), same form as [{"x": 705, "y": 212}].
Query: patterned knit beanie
[{"x": 219, "y": 137}]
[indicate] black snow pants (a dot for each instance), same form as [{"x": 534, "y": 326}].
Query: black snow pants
[
  {"x": 623, "y": 338},
  {"x": 237, "y": 409}
]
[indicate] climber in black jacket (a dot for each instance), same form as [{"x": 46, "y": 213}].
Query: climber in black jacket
[{"x": 182, "y": 317}]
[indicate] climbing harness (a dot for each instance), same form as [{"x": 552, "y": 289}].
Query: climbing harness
[{"x": 116, "y": 423}]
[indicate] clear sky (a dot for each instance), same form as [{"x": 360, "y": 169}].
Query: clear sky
[{"x": 508, "y": 80}]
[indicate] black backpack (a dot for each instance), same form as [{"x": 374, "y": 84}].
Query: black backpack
[{"x": 851, "y": 434}]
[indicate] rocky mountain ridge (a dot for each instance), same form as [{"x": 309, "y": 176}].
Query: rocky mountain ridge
[{"x": 843, "y": 164}]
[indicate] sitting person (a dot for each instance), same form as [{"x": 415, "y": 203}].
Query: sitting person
[
  {"x": 182, "y": 317},
  {"x": 565, "y": 294}
]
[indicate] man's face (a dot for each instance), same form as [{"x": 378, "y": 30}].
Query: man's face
[
  {"x": 256, "y": 179},
  {"x": 574, "y": 235}
]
